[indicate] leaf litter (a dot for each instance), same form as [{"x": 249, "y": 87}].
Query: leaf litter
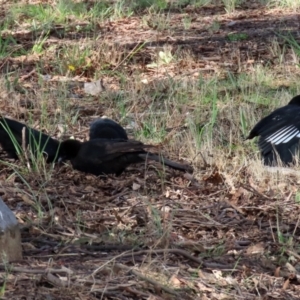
[{"x": 213, "y": 236}]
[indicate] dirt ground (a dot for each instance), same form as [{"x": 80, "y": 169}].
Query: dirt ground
[{"x": 150, "y": 234}]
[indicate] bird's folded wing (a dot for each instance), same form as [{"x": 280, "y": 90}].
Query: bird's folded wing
[{"x": 99, "y": 151}]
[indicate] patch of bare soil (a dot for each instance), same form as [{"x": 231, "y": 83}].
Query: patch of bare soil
[{"x": 145, "y": 235}]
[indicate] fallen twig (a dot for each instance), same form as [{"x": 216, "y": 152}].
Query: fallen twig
[
  {"x": 145, "y": 278},
  {"x": 34, "y": 271},
  {"x": 253, "y": 190}
]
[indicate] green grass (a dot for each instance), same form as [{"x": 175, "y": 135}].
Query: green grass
[
  {"x": 65, "y": 12},
  {"x": 284, "y": 3},
  {"x": 9, "y": 47},
  {"x": 233, "y": 37},
  {"x": 230, "y": 5},
  {"x": 292, "y": 43}
]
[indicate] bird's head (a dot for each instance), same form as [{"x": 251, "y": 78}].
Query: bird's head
[
  {"x": 295, "y": 101},
  {"x": 68, "y": 150}
]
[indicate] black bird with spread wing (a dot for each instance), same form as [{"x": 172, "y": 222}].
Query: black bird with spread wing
[
  {"x": 279, "y": 134},
  {"x": 107, "y": 152}
]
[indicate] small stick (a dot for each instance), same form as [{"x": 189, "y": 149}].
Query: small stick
[{"x": 24, "y": 146}]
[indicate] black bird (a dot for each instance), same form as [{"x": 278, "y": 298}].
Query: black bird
[
  {"x": 279, "y": 134},
  {"x": 109, "y": 156},
  {"x": 110, "y": 153},
  {"x": 11, "y": 140},
  {"x": 105, "y": 128}
]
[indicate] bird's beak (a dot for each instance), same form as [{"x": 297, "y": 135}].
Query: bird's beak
[{"x": 60, "y": 159}]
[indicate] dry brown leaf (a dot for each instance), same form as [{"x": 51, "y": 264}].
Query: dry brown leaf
[
  {"x": 255, "y": 249},
  {"x": 277, "y": 272},
  {"x": 291, "y": 268},
  {"x": 286, "y": 284},
  {"x": 174, "y": 281},
  {"x": 136, "y": 186},
  {"x": 203, "y": 288},
  {"x": 26, "y": 199},
  {"x": 215, "y": 178}
]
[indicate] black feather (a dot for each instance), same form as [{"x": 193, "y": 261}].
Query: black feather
[
  {"x": 279, "y": 134},
  {"x": 11, "y": 140},
  {"x": 105, "y": 128},
  {"x": 102, "y": 156}
]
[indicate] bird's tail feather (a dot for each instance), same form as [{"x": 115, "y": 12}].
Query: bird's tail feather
[{"x": 167, "y": 162}]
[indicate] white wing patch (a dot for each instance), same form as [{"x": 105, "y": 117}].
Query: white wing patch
[{"x": 283, "y": 135}]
